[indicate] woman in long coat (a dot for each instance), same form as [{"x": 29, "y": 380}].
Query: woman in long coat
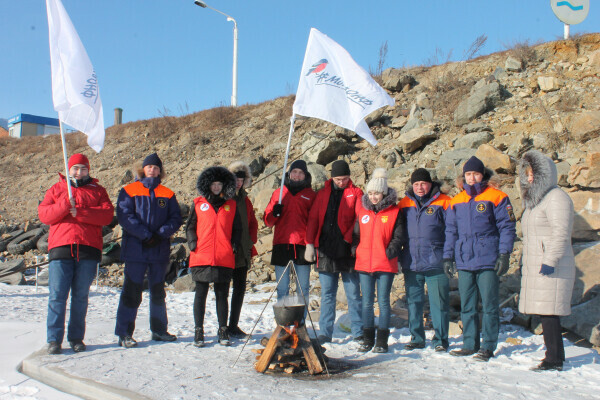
[{"x": 548, "y": 271}]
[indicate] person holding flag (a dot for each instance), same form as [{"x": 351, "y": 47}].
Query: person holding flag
[
  {"x": 75, "y": 214},
  {"x": 74, "y": 249}
]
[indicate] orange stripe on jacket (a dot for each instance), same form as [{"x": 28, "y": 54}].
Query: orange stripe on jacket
[
  {"x": 138, "y": 189},
  {"x": 492, "y": 195}
]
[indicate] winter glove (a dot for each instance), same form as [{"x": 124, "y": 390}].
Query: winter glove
[
  {"x": 277, "y": 210},
  {"x": 353, "y": 251},
  {"x": 192, "y": 246},
  {"x": 153, "y": 241},
  {"x": 546, "y": 270},
  {"x": 309, "y": 253},
  {"x": 449, "y": 267},
  {"x": 502, "y": 264}
]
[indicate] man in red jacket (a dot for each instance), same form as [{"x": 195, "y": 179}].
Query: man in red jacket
[
  {"x": 329, "y": 230},
  {"x": 74, "y": 249}
]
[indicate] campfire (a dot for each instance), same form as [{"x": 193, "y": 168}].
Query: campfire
[{"x": 290, "y": 349}]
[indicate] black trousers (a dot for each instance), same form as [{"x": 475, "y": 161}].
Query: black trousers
[
  {"x": 555, "y": 350},
  {"x": 221, "y": 293},
  {"x": 238, "y": 283}
]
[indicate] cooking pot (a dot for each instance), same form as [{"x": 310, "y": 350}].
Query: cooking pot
[{"x": 287, "y": 315}]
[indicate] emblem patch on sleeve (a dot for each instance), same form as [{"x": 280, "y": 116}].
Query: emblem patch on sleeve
[{"x": 511, "y": 213}]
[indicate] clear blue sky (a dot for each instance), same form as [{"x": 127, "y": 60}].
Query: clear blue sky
[{"x": 156, "y": 54}]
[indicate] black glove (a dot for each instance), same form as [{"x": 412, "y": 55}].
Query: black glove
[
  {"x": 152, "y": 242},
  {"x": 449, "y": 267},
  {"x": 502, "y": 264},
  {"x": 277, "y": 210},
  {"x": 546, "y": 270}
]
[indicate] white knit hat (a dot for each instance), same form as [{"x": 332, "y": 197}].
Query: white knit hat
[{"x": 378, "y": 182}]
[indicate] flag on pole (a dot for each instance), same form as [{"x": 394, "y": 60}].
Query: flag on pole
[
  {"x": 75, "y": 92},
  {"x": 334, "y": 88}
]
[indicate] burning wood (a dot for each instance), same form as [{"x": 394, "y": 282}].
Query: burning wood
[{"x": 290, "y": 349}]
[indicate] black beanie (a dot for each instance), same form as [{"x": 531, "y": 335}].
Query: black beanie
[
  {"x": 152, "y": 159},
  {"x": 420, "y": 175},
  {"x": 240, "y": 174},
  {"x": 339, "y": 168},
  {"x": 300, "y": 164},
  {"x": 474, "y": 164}
]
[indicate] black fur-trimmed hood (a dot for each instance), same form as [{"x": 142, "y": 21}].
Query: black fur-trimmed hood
[
  {"x": 216, "y": 174},
  {"x": 545, "y": 177},
  {"x": 389, "y": 199}
]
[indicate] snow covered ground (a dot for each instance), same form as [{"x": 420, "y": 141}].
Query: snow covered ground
[{"x": 180, "y": 371}]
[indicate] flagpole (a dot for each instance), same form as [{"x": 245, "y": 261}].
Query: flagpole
[
  {"x": 287, "y": 153},
  {"x": 64, "y": 148}
]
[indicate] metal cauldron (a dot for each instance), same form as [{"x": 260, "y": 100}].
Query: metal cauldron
[{"x": 286, "y": 315}]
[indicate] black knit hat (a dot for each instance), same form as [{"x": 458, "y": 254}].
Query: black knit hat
[
  {"x": 152, "y": 159},
  {"x": 420, "y": 175},
  {"x": 300, "y": 164},
  {"x": 339, "y": 168},
  {"x": 474, "y": 164}
]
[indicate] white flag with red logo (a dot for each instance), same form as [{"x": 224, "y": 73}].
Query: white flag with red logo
[
  {"x": 75, "y": 92},
  {"x": 334, "y": 88}
]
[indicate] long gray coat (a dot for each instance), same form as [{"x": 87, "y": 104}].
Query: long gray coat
[{"x": 547, "y": 224}]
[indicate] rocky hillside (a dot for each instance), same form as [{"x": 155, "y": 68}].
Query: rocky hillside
[{"x": 497, "y": 107}]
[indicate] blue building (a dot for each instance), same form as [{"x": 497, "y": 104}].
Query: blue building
[{"x": 22, "y": 125}]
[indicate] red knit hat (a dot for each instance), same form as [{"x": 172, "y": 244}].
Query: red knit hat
[{"x": 79, "y": 158}]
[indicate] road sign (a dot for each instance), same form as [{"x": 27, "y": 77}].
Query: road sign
[{"x": 570, "y": 12}]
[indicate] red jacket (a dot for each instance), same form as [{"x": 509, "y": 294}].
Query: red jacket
[
  {"x": 252, "y": 225},
  {"x": 213, "y": 230},
  {"x": 94, "y": 210},
  {"x": 290, "y": 228},
  {"x": 376, "y": 231},
  {"x": 346, "y": 212}
]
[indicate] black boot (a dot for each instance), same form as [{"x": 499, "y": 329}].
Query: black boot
[
  {"x": 199, "y": 337},
  {"x": 224, "y": 336},
  {"x": 381, "y": 346},
  {"x": 369, "y": 340}
]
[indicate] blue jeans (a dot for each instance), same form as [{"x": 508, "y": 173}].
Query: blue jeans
[
  {"x": 131, "y": 297},
  {"x": 438, "y": 290},
  {"x": 67, "y": 276},
  {"x": 472, "y": 285},
  {"x": 329, "y": 286},
  {"x": 384, "y": 282},
  {"x": 283, "y": 289}
]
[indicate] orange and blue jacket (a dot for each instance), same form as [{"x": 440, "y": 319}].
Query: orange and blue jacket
[
  {"x": 145, "y": 207},
  {"x": 426, "y": 226},
  {"x": 480, "y": 225}
]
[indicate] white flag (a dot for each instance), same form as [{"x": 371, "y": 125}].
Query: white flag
[
  {"x": 75, "y": 90},
  {"x": 334, "y": 88}
]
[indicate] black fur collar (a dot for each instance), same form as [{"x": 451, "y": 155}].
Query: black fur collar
[{"x": 216, "y": 174}]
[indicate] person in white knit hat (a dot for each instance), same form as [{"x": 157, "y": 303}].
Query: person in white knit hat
[{"x": 377, "y": 240}]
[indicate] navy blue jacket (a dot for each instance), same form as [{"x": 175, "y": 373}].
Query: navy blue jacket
[
  {"x": 145, "y": 207},
  {"x": 426, "y": 231},
  {"x": 480, "y": 225}
]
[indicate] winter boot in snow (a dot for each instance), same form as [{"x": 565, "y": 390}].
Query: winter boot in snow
[
  {"x": 163, "y": 337},
  {"x": 127, "y": 341},
  {"x": 199, "y": 337},
  {"x": 369, "y": 340},
  {"x": 54, "y": 348},
  {"x": 381, "y": 345},
  {"x": 77, "y": 345},
  {"x": 224, "y": 336}
]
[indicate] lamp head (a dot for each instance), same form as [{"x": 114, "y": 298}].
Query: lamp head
[{"x": 200, "y": 3}]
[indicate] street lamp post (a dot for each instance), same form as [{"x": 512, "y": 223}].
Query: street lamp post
[{"x": 235, "y": 46}]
